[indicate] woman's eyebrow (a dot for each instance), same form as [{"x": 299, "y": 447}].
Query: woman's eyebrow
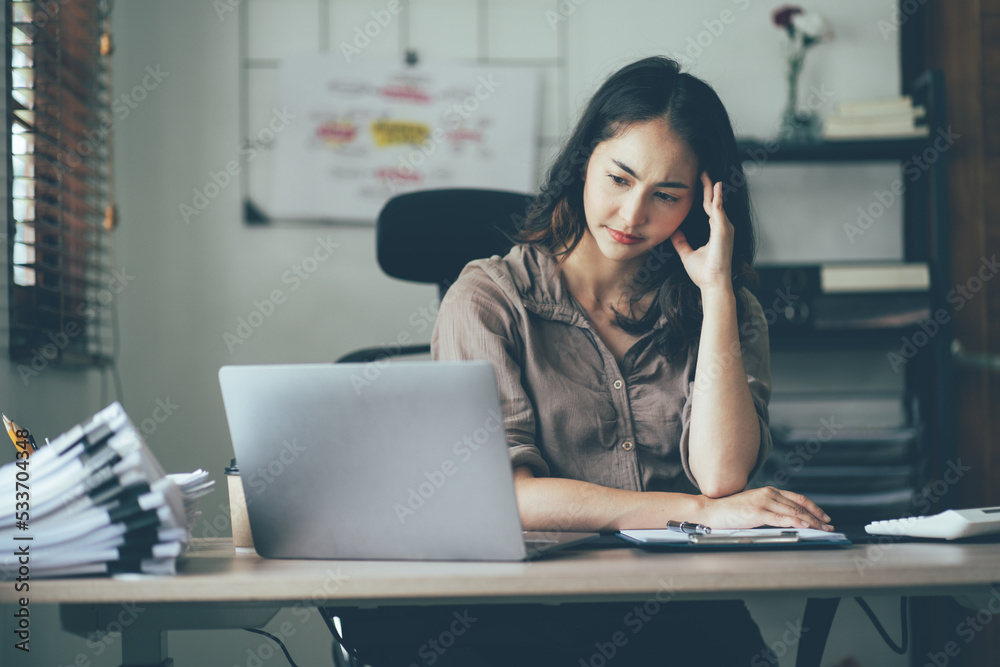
[{"x": 663, "y": 184}]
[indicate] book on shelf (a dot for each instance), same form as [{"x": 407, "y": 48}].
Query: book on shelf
[
  {"x": 874, "y": 277},
  {"x": 97, "y": 502},
  {"x": 874, "y": 131},
  {"x": 888, "y": 118},
  {"x": 875, "y": 107}
]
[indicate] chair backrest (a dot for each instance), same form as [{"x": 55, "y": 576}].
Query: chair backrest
[{"x": 428, "y": 236}]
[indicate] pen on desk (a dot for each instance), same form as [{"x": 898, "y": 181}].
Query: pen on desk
[
  {"x": 27, "y": 443},
  {"x": 689, "y": 528}
]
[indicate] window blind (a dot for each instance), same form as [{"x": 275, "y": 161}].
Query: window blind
[{"x": 59, "y": 209}]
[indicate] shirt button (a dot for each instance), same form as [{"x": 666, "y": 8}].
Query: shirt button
[
  {"x": 628, "y": 446},
  {"x": 618, "y": 384}
]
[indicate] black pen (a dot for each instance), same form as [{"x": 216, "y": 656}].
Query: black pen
[{"x": 689, "y": 528}]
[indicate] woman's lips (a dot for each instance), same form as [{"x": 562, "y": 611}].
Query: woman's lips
[{"x": 622, "y": 237}]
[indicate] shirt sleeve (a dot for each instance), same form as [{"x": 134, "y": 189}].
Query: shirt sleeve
[
  {"x": 476, "y": 321},
  {"x": 756, "y": 350}
]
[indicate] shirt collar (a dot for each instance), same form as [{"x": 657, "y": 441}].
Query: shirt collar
[{"x": 536, "y": 281}]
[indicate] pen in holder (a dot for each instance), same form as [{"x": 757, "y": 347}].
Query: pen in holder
[{"x": 242, "y": 538}]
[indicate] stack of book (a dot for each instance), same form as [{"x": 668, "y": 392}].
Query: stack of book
[
  {"x": 96, "y": 501},
  {"x": 891, "y": 118}
]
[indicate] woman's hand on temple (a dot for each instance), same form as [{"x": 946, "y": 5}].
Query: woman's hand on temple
[
  {"x": 710, "y": 266},
  {"x": 765, "y": 506}
]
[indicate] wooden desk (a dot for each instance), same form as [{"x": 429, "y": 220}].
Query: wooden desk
[{"x": 217, "y": 588}]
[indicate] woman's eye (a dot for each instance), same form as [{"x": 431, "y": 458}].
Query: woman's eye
[
  {"x": 667, "y": 198},
  {"x": 617, "y": 180}
]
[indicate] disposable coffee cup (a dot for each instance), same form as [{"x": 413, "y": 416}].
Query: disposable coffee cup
[{"x": 242, "y": 538}]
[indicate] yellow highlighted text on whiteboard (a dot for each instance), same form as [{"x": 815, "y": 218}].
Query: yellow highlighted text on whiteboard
[{"x": 393, "y": 132}]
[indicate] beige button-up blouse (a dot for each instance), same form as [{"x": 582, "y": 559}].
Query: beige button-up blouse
[{"x": 569, "y": 409}]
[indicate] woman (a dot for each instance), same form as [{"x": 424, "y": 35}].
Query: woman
[
  {"x": 632, "y": 364},
  {"x": 631, "y": 359}
]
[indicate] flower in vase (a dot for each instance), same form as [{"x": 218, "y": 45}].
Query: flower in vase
[
  {"x": 782, "y": 16},
  {"x": 804, "y": 30},
  {"x": 813, "y": 28}
]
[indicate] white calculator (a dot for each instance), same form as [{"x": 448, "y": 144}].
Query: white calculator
[{"x": 948, "y": 525}]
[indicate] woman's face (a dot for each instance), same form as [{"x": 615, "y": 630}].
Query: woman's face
[{"x": 638, "y": 189}]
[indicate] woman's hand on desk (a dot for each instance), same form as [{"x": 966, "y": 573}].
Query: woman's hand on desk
[{"x": 765, "y": 506}]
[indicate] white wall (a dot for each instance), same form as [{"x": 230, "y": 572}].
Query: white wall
[{"x": 192, "y": 281}]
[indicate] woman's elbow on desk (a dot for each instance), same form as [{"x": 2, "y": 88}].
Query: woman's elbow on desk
[{"x": 721, "y": 488}]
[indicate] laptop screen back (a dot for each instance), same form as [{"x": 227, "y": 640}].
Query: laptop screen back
[{"x": 404, "y": 461}]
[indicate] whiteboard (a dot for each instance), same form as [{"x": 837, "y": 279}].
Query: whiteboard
[{"x": 362, "y": 132}]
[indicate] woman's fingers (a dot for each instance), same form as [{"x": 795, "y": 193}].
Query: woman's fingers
[
  {"x": 681, "y": 244},
  {"x": 768, "y": 506},
  {"x": 813, "y": 508},
  {"x": 798, "y": 511},
  {"x": 708, "y": 190}
]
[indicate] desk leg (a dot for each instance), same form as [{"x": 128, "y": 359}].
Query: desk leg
[
  {"x": 816, "y": 623},
  {"x": 144, "y": 628}
]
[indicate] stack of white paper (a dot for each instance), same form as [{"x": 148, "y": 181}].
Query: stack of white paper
[{"x": 96, "y": 501}]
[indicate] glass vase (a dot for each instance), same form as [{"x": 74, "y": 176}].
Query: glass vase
[{"x": 797, "y": 125}]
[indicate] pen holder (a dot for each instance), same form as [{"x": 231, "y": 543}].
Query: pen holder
[{"x": 242, "y": 538}]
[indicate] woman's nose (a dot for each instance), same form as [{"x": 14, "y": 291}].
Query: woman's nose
[{"x": 632, "y": 209}]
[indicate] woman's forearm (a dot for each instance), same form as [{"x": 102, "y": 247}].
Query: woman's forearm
[
  {"x": 724, "y": 433},
  {"x": 547, "y": 503}
]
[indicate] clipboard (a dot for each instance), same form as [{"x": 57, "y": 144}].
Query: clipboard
[
  {"x": 785, "y": 537},
  {"x": 753, "y": 538}
]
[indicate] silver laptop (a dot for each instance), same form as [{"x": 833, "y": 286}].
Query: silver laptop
[{"x": 406, "y": 460}]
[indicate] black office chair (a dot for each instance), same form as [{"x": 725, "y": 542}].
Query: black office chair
[{"x": 430, "y": 235}]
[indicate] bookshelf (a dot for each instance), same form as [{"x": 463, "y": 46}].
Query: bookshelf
[{"x": 926, "y": 364}]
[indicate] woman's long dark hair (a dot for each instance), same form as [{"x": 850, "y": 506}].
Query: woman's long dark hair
[{"x": 650, "y": 89}]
